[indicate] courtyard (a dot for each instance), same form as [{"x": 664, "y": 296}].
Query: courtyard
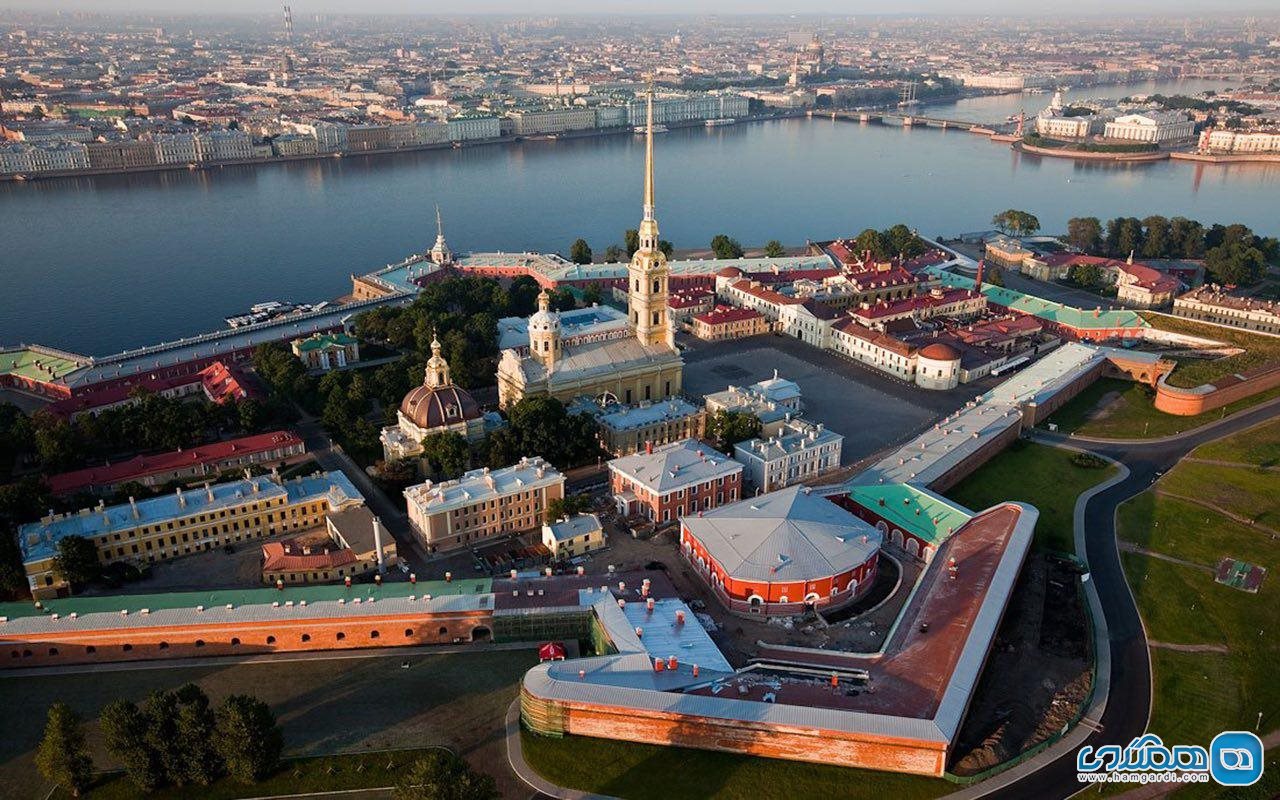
[{"x": 872, "y": 410}]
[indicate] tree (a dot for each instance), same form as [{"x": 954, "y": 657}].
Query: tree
[
  {"x": 247, "y": 737},
  {"x": 124, "y": 727},
  {"x": 1086, "y": 275},
  {"x": 580, "y": 252},
  {"x": 77, "y": 560},
  {"x": 727, "y": 428},
  {"x": 666, "y": 247},
  {"x": 725, "y": 247},
  {"x": 872, "y": 241},
  {"x": 631, "y": 241},
  {"x": 1186, "y": 238},
  {"x": 1124, "y": 236},
  {"x": 1085, "y": 234},
  {"x": 614, "y": 254},
  {"x": 1156, "y": 240},
  {"x": 194, "y": 724},
  {"x": 902, "y": 241},
  {"x": 993, "y": 277},
  {"x": 774, "y": 249},
  {"x": 61, "y": 756},
  {"x": 447, "y": 453},
  {"x": 440, "y": 775},
  {"x": 523, "y": 296},
  {"x": 567, "y": 506},
  {"x": 1018, "y": 223},
  {"x": 1235, "y": 263}
]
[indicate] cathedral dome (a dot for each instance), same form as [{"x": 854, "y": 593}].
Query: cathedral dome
[{"x": 434, "y": 407}]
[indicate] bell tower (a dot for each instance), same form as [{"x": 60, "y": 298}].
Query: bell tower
[
  {"x": 440, "y": 253},
  {"x": 544, "y": 333},
  {"x": 437, "y": 368},
  {"x": 647, "y": 274}
]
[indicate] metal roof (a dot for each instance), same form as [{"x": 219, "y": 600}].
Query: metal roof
[
  {"x": 675, "y": 466},
  {"x": 784, "y": 536}
]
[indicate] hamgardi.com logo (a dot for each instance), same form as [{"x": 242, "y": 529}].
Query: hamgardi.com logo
[{"x": 1234, "y": 758}]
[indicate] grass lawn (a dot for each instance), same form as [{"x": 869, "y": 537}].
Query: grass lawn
[
  {"x": 1259, "y": 446},
  {"x": 325, "y": 707},
  {"x": 1251, "y": 493},
  {"x": 1198, "y": 695},
  {"x": 1118, "y": 409},
  {"x": 1258, "y": 350},
  {"x": 1038, "y": 474},
  {"x": 651, "y": 772}
]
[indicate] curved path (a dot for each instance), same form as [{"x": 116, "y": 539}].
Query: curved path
[{"x": 1128, "y": 700}]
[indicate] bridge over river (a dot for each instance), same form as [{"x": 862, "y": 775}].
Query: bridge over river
[{"x": 907, "y": 119}]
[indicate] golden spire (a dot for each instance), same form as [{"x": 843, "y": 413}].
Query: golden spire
[{"x": 648, "y": 156}]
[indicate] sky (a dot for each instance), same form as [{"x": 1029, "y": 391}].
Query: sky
[{"x": 537, "y": 7}]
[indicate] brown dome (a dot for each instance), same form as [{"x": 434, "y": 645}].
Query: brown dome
[
  {"x": 940, "y": 352},
  {"x": 730, "y": 272},
  {"x": 433, "y": 408}
]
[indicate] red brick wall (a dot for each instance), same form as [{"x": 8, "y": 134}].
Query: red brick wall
[
  {"x": 759, "y": 739},
  {"x": 1188, "y": 402},
  {"x": 221, "y": 639}
]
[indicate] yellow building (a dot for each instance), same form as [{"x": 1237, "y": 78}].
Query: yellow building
[
  {"x": 483, "y": 504},
  {"x": 188, "y": 521},
  {"x": 637, "y": 368},
  {"x": 575, "y": 536}
]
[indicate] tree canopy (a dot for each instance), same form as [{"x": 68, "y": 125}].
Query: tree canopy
[
  {"x": 725, "y": 247},
  {"x": 727, "y": 428},
  {"x": 1016, "y": 222},
  {"x": 61, "y": 756},
  {"x": 440, "y": 775},
  {"x": 774, "y": 249},
  {"x": 77, "y": 560},
  {"x": 580, "y": 252}
]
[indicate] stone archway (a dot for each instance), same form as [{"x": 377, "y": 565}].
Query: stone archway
[{"x": 481, "y": 633}]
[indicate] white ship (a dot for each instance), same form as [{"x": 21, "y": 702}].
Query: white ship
[{"x": 715, "y": 123}]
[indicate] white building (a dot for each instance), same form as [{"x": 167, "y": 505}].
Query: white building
[
  {"x": 224, "y": 146},
  {"x": 468, "y": 128},
  {"x": 15, "y": 158},
  {"x": 59, "y": 156},
  {"x": 176, "y": 148},
  {"x": 556, "y": 120},
  {"x": 1227, "y": 141},
  {"x": 1152, "y": 126},
  {"x": 569, "y": 538},
  {"x": 799, "y": 452},
  {"x": 693, "y": 108}
]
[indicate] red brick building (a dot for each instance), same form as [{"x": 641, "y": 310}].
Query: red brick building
[
  {"x": 782, "y": 552},
  {"x": 663, "y": 484},
  {"x": 726, "y": 322}
]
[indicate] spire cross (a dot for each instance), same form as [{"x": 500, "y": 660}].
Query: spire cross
[{"x": 648, "y": 155}]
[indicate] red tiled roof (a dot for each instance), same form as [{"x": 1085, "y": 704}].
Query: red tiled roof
[
  {"x": 116, "y": 393},
  {"x": 723, "y": 314},
  {"x": 222, "y": 383},
  {"x": 276, "y": 559},
  {"x": 909, "y": 304},
  {"x": 142, "y": 466},
  {"x": 882, "y": 340},
  {"x": 768, "y": 295}
]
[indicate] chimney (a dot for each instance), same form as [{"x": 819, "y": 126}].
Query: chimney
[
  {"x": 377, "y": 545},
  {"x": 182, "y": 501},
  {"x": 133, "y": 506},
  {"x": 648, "y": 447}
]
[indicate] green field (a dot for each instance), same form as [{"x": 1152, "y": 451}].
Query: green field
[
  {"x": 1119, "y": 409},
  {"x": 1038, "y": 474},
  {"x": 653, "y": 772},
  {"x": 1259, "y": 446},
  {"x": 1191, "y": 372},
  {"x": 1198, "y": 694},
  {"x": 342, "y": 705}
]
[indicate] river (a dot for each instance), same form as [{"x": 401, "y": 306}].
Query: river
[{"x": 95, "y": 265}]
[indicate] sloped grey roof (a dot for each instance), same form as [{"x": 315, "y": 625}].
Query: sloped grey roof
[
  {"x": 788, "y": 535},
  {"x": 676, "y": 465}
]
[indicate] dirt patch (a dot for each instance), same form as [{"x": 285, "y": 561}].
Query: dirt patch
[
  {"x": 1106, "y": 407},
  {"x": 1038, "y": 675}
]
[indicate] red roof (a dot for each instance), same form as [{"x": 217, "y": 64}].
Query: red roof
[
  {"x": 551, "y": 651},
  {"x": 909, "y": 304},
  {"x": 690, "y": 298},
  {"x": 723, "y": 314},
  {"x": 116, "y": 393},
  {"x": 221, "y": 383},
  {"x": 143, "y": 466},
  {"x": 285, "y": 556},
  {"x": 768, "y": 295},
  {"x": 940, "y": 351}
]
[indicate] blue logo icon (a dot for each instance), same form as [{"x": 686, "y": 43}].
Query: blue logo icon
[{"x": 1235, "y": 758}]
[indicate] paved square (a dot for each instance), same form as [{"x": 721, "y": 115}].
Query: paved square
[{"x": 871, "y": 410}]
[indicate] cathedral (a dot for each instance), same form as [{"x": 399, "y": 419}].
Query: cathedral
[
  {"x": 640, "y": 367},
  {"x": 436, "y": 406}
]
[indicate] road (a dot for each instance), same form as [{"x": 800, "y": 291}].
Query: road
[
  {"x": 331, "y": 458},
  {"x": 1129, "y": 703}
]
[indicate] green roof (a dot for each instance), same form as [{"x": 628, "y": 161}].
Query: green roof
[
  {"x": 1069, "y": 316},
  {"x": 917, "y": 511},
  {"x": 93, "y": 604},
  {"x": 38, "y": 363},
  {"x": 326, "y": 340}
]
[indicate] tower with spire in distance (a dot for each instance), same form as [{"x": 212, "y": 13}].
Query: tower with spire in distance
[
  {"x": 440, "y": 251},
  {"x": 648, "y": 274}
]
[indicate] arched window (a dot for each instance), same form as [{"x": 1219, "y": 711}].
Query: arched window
[
  {"x": 373, "y": 634},
  {"x": 127, "y": 648},
  {"x": 91, "y": 649},
  {"x": 408, "y": 632},
  {"x": 271, "y": 640},
  {"x": 306, "y": 637},
  {"x": 199, "y": 642},
  {"x": 235, "y": 641},
  {"x": 340, "y": 636},
  {"x": 53, "y": 651},
  {"x": 443, "y": 631},
  {"x": 164, "y": 645}
]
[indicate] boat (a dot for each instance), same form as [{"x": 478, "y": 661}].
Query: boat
[
  {"x": 269, "y": 310},
  {"x": 642, "y": 130},
  {"x": 715, "y": 123}
]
